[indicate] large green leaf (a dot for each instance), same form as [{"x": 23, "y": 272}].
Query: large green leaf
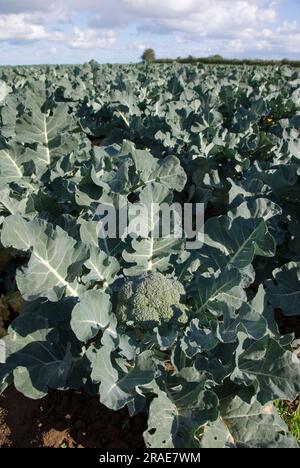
[
  {"x": 213, "y": 290},
  {"x": 54, "y": 262},
  {"x": 152, "y": 252},
  {"x": 274, "y": 372},
  {"x": 249, "y": 318},
  {"x": 236, "y": 242},
  {"x": 44, "y": 128},
  {"x": 91, "y": 314},
  {"x": 120, "y": 386},
  {"x": 12, "y": 158},
  {"x": 176, "y": 414},
  {"x": 247, "y": 426},
  {"x": 102, "y": 268},
  {"x": 285, "y": 293},
  {"x": 38, "y": 359}
]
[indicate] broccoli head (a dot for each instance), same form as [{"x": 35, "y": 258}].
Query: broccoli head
[{"x": 151, "y": 299}]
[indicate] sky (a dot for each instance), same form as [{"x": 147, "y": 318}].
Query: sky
[{"x": 117, "y": 31}]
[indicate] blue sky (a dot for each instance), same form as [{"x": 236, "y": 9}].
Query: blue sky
[{"x": 75, "y": 31}]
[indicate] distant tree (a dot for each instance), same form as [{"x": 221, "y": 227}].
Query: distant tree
[
  {"x": 148, "y": 55},
  {"x": 93, "y": 64}
]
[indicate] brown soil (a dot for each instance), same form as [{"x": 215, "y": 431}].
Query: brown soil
[
  {"x": 288, "y": 324},
  {"x": 96, "y": 141},
  {"x": 66, "y": 420}
]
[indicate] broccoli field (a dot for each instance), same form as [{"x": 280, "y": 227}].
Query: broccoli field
[{"x": 188, "y": 337}]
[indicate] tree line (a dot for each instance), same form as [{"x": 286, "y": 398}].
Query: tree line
[{"x": 149, "y": 56}]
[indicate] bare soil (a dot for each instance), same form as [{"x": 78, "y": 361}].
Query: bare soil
[
  {"x": 288, "y": 324},
  {"x": 69, "y": 419}
]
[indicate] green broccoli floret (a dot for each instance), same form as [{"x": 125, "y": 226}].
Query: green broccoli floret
[{"x": 151, "y": 299}]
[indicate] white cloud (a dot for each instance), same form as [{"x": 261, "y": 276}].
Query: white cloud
[
  {"x": 91, "y": 39},
  {"x": 223, "y": 26},
  {"x": 139, "y": 46},
  {"x": 229, "y": 27},
  {"x": 209, "y": 13},
  {"x": 215, "y": 25},
  {"x": 41, "y": 11},
  {"x": 19, "y": 27},
  {"x": 215, "y": 17},
  {"x": 159, "y": 8},
  {"x": 27, "y": 6}
]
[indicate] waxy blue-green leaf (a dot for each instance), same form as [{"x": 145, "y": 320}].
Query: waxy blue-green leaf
[
  {"x": 197, "y": 339},
  {"x": 12, "y": 163},
  {"x": 55, "y": 259},
  {"x": 210, "y": 291},
  {"x": 236, "y": 242},
  {"x": 176, "y": 414},
  {"x": 274, "y": 372},
  {"x": 102, "y": 268},
  {"x": 11, "y": 205},
  {"x": 285, "y": 294},
  {"x": 150, "y": 255},
  {"x": 44, "y": 128},
  {"x": 248, "y": 318},
  {"x": 120, "y": 386},
  {"x": 244, "y": 425},
  {"x": 91, "y": 314},
  {"x": 38, "y": 360}
]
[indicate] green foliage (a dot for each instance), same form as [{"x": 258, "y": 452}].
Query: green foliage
[
  {"x": 290, "y": 416},
  {"x": 219, "y": 60},
  {"x": 72, "y": 137}
]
